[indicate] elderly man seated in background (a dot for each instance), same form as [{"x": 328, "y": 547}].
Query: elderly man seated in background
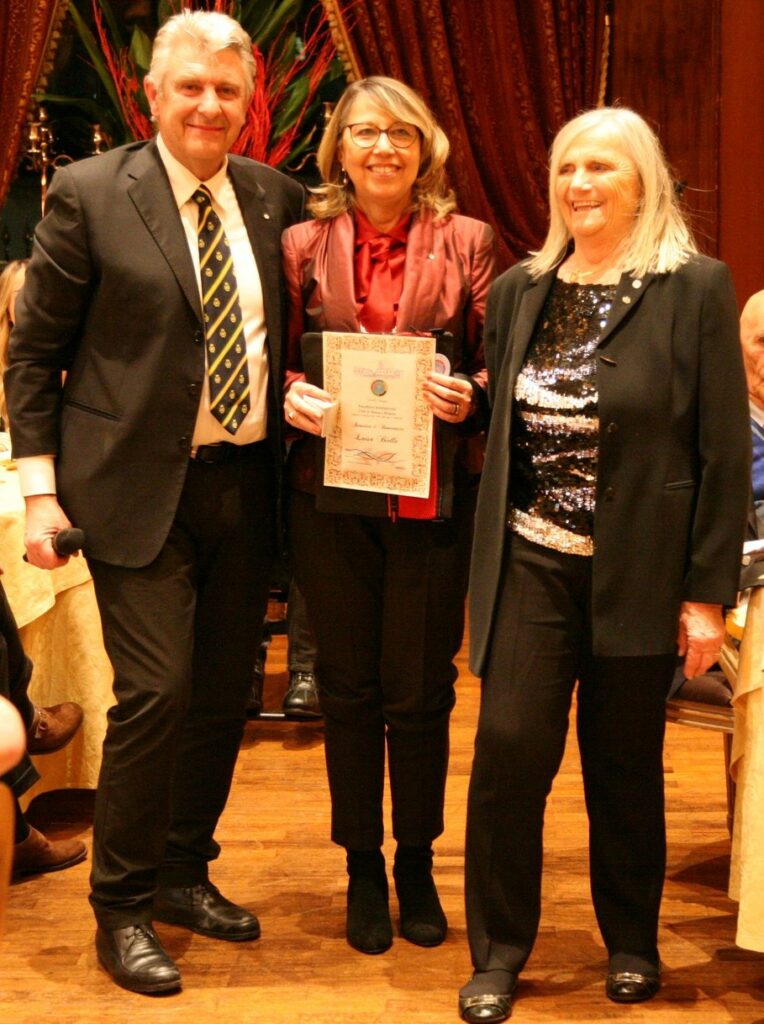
[
  {"x": 712, "y": 687},
  {"x": 752, "y": 340}
]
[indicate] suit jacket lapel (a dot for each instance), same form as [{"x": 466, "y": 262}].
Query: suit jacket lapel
[
  {"x": 423, "y": 276},
  {"x": 151, "y": 193},
  {"x": 531, "y": 304},
  {"x": 627, "y": 297},
  {"x": 335, "y": 273},
  {"x": 260, "y": 222}
]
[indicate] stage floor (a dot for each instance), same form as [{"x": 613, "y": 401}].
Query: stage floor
[{"x": 278, "y": 861}]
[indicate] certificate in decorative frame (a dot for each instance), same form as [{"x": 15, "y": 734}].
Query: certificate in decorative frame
[{"x": 382, "y": 436}]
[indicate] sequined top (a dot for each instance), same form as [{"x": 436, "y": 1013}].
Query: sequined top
[{"x": 555, "y": 421}]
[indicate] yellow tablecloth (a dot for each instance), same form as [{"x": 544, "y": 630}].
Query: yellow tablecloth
[
  {"x": 747, "y": 767},
  {"x": 61, "y": 632}
]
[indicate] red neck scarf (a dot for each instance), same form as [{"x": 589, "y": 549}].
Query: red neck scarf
[
  {"x": 379, "y": 262},
  {"x": 380, "y": 257}
]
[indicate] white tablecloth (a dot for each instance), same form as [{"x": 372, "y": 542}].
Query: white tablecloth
[{"x": 61, "y": 632}]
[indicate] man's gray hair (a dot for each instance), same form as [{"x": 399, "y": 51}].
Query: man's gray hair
[{"x": 210, "y": 32}]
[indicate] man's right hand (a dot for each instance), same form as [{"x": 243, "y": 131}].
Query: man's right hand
[{"x": 45, "y": 518}]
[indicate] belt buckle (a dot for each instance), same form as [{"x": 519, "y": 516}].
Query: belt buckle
[{"x": 208, "y": 453}]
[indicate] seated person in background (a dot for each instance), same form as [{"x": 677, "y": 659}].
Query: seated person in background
[
  {"x": 301, "y": 698},
  {"x": 13, "y": 741},
  {"x": 752, "y": 340},
  {"x": 47, "y": 730},
  {"x": 713, "y": 687},
  {"x": 11, "y": 280}
]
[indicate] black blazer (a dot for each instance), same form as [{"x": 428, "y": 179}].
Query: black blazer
[
  {"x": 111, "y": 297},
  {"x": 674, "y": 453}
]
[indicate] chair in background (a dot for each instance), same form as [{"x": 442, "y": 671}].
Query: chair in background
[{"x": 706, "y": 703}]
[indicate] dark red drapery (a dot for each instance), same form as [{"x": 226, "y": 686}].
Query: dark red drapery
[
  {"x": 24, "y": 33},
  {"x": 502, "y": 77}
]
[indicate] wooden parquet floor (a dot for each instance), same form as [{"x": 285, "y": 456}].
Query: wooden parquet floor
[{"x": 278, "y": 861}]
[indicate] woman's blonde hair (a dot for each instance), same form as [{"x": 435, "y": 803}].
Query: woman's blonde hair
[
  {"x": 336, "y": 195},
  {"x": 660, "y": 240},
  {"x": 8, "y": 278}
]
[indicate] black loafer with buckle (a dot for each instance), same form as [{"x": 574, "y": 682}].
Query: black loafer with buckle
[
  {"x": 631, "y": 986},
  {"x": 632, "y": 979},
  {"x": 487, "y": 997}
]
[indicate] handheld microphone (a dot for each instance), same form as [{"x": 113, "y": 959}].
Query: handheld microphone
[{"x": 69, "y": 540}]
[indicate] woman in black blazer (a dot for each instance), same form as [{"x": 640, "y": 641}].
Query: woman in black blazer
[{"x": 611, "y": 514}]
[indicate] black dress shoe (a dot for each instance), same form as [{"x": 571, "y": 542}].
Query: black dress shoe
[
  {"x": 134, "y": 958},
  {"x": 301, "y": 699},
  {"x": 487, "y": 998},
  {"x": 632, "y": 986},
  {"x": 202, "y": 909}
]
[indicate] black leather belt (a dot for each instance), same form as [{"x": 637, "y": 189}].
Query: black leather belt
[{"x": 224, "y": 451}]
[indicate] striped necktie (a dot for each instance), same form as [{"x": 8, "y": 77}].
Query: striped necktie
[{"x": 226, "y": 349}]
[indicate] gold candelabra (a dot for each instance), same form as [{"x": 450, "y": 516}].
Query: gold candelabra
[{"x": 40, "y": 144}]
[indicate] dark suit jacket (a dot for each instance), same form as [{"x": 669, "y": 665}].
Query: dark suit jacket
[
  {"x": 674, "y": 453},
  {"x": 449, "y": 268},
  {"x": 111, "y": 297}
]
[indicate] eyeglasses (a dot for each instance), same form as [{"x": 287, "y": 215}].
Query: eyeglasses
[{"x": 400, "y": 134}]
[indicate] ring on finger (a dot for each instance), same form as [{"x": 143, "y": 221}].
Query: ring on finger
[
  {"x": 455, "y": 410},
  {"x": 290, "y": 415}
]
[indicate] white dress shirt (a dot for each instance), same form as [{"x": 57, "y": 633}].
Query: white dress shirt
[{"x": 37, "y": 472}]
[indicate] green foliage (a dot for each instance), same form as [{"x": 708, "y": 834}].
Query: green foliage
[
  {"x": 124, "y": 52},
  {"x": 94, "y": 52}
]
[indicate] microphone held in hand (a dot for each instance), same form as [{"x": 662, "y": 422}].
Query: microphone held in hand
[{"x": 67, "y": 541}]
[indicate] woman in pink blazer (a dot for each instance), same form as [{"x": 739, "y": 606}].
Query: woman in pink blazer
[{"x": 384, "y": 577}]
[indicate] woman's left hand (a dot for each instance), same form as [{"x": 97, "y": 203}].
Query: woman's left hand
[
  {"x": 449, "y": 397},
  {"x": 700, "y": 637}
]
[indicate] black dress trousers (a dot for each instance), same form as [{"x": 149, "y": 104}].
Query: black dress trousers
[
  {"x": 386, "y": 604},
  {"x": 541, "y": 644},
  {"x": 181, "y": 634}
]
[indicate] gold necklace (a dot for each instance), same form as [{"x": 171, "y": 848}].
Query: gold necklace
[{"x": 578, "y": 276}]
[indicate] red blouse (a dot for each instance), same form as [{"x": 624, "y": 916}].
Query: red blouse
[{"x": 379, "y": 262}]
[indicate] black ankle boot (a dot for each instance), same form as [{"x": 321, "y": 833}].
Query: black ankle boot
[
  {"x": 422, "y": 919},
  {"x": 369, "y": 928}
]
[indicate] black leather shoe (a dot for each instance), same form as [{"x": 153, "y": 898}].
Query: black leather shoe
[
  {"x": 487, "y": 1007},
  {"x": 134, "y": 958},
  {"x": 632, "y": 986},
  {"x": 301, "y": 699},
  {"x": 202, "y": 909}
]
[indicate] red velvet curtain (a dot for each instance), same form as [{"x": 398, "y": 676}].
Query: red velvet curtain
[
  {"x": 502, "y": 77},
  {"x": 25, "y": 27}
]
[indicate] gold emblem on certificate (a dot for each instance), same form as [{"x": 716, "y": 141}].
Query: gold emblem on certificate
[{"x": 381, "y": 438}]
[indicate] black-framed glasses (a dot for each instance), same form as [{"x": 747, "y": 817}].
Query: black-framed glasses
[{"x": 400, "y": 134}]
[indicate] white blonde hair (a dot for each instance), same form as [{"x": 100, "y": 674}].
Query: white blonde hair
[
  {"x": 210, "y": 32},
  {"x": 660, "y": 240}
]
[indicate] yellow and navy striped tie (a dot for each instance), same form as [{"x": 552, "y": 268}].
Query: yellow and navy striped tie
[{"x": 223, "y": 324}]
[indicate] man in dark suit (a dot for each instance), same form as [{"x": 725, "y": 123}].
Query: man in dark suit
[{"x": 155, "y": 286}]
